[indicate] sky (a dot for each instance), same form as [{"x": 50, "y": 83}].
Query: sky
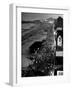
[{"x": 38, "y": 16}]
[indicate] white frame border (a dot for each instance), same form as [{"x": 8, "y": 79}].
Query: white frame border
[{"x": 14, "y": 77}]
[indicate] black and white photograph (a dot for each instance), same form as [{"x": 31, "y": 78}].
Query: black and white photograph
[{"x": 41, "y": 44}]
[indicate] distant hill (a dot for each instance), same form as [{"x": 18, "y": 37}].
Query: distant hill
[{"x": 35, "y": 21}]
